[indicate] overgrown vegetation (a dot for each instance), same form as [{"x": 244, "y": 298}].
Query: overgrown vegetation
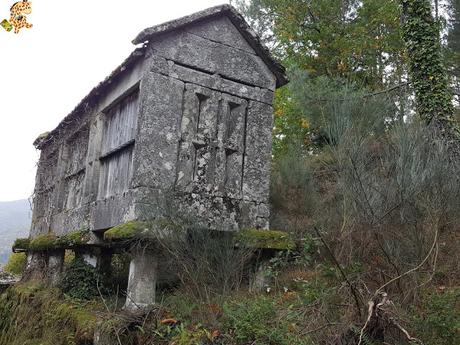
[
  {"x": 16, "y": 263},
  {"x": 364, "y": 193},
  {"x": 32, "y": 315},
  {"x": 207, "y": 262},
  {"x": 81, "y": 280},
  {"x": 21, "y": 244}
]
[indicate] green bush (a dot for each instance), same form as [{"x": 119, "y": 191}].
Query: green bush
[
  {"x": 16, "y": 263},
  {"x": 81, "y": 280},
  {"x": 254, "y": 320},
  {"x": 437, "y": 320}
]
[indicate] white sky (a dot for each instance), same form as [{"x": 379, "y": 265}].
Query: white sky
[{"x": 45, "y": 71}]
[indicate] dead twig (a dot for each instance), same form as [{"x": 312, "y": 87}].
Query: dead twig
[{"x": 358, "y": 301}]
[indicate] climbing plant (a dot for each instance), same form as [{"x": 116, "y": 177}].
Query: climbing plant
[{"x": 426, "y": 68}]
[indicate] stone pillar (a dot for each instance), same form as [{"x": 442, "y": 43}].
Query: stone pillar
[
  {"x": 90, "y": 255},
  {"x": 35, "y": 266},
  {"x": 143, "y": 275},
  {"x": 55, "y": 266},
  {"x": 90, "y": 258}
]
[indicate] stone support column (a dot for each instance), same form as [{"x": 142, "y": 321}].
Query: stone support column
[
  {"x": 55, "y": 266},
  {"x": 143, "y": 276},
  {"x": 35, "y": 266}
]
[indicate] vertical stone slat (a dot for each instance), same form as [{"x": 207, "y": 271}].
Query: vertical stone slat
[
  {"x": 256, "y": 172},
  {"x": 156, "y": 150}
]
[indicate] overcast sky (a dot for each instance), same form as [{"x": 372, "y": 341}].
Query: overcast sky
[{"x": 46, "y": 70}]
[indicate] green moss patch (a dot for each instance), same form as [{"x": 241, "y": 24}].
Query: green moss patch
[
  {"x": 43, "y": 242},
  {"x": 21, "y": 245},
  {"x": 73, "y": 239},
  {"x": 126, "y": 231},
  {"x": 266, "y": 239},
  {"x": 46, "y": 242}
]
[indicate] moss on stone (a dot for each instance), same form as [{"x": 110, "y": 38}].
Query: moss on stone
[
  {"x": 266, "y": 239},
  {"x": 43, "y": 242},
  {"x": 21, "y": 245},
  {"x": 73, "y": 239},
  {"x": 126, "y": 231},
  {"x": 41, "y": 138}
]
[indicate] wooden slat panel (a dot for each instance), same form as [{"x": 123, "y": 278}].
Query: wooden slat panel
[
  {"x": 117, "y": 147},
  {"x": 121, "y": 124},
  {"x": 116, "y": 173}
]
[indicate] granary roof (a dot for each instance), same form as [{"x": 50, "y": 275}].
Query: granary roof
[
  {"x": 237, "y": 20},
  {"x": 150, "y": 33},
  {"x": 89, "y": 100}
]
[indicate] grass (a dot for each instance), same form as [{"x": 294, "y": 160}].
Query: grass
[{"x": 31, "y": 314}]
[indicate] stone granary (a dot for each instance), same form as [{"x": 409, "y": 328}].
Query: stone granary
[{"x": 183, "y": 123}]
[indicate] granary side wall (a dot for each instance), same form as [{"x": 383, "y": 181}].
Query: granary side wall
[{"x": 69, "y": 168}]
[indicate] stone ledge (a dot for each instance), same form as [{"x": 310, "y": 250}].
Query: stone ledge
[
  {"x": 47, "y": 242},
  {"x": 266, "y": 239}
]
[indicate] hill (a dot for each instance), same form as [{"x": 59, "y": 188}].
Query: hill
[{"x": 15, "y": 218}]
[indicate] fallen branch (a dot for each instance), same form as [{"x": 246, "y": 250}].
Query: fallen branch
[
  {"x": 373, "y": 309},
  {"x": 370, "y": 312},
  {"x": 406, "y": 333}
]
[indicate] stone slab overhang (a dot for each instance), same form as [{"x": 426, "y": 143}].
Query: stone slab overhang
[{"x": 237, "y": 20}]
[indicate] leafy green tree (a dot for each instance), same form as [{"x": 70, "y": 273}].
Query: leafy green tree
[
  {"x": 359, "y": 41},
  {"x": 354, "y": 39}
]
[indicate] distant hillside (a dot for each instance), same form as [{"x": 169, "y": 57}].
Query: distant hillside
[{"x": 15, "y": 217}]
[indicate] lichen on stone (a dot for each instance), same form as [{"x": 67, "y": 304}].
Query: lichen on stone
[
  {"x": 21, "y": 245},
  {"x": 266, "y": 239},
  {"x": 41, "y": 138},
  {"x": 125, "y": 231}
]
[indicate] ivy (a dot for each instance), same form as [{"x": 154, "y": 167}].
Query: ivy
[{"x": 426, "y": 68}]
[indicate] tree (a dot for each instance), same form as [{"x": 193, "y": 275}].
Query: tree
[
  {"x": 426, "y": 65},
  {"x": 358, "y": 41},
  {"x": 453, "y": 44}
]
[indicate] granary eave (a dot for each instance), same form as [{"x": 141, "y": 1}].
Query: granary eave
[
  {"x": 236, "y": 18},
  {"x": 90, "y": 100}
]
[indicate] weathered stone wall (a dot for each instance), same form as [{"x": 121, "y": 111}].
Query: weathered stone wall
[
  {"x": 201, "y": 150},
  {"x": 205, "y": 127},
  {"x": 69, "y": 167}
]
